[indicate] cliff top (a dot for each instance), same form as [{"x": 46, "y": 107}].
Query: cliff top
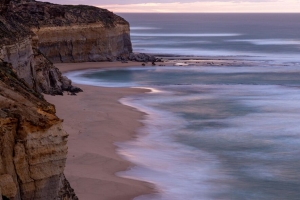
[
  {"x": 37, "y": 14},
  {"x": 11, "y": 31}
]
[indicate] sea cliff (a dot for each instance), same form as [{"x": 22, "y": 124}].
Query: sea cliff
[
  {"x": 32, "y": 142},
  {"x": 19, "y": 46},
  {"x": 74, "y": 33},
  {"x": 33, "y": 145}
]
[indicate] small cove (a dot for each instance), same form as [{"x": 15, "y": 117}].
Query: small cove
[{"x": 212, "y": 132}]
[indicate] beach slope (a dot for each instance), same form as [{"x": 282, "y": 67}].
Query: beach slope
[{"x": 95, "y": 120}]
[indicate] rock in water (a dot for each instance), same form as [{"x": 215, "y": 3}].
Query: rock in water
[{"x": 141, "y": 57}]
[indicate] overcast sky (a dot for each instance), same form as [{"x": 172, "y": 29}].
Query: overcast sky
[{"x": 191, "y": 5}]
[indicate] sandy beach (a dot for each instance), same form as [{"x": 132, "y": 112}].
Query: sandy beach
[{"x": 95, "y": 120}]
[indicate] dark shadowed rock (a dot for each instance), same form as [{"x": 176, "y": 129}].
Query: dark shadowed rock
[
  {"x": 20, "y": 46},
  {"x": 141, "y": 57},
  {"x": 65, "y": 83},
  {"x": 74, "y": 89}
]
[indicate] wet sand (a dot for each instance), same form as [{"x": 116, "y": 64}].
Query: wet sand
[{"x": 95, "y": 120}]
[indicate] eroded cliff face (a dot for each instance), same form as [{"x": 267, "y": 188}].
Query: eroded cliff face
[
  {"x": 32, "y": 143},
  {"x": 74, "y": 33},
  {"x": 83, "y": 43},
  {"x": 19, "y": 46}
]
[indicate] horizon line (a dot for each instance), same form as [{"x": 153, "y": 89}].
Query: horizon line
[{"x": 211, "y": 12}]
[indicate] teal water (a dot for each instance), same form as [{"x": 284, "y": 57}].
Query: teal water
[{"x": 227, "y": 133}]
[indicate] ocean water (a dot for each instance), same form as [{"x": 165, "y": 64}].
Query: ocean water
[
  {"x": 214, "y": 132},
  {"x": 251, "y": 36}
]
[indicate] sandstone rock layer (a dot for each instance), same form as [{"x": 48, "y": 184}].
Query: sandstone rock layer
[
  {"x": 19, "y": 46},
  {"x": 74, "y": 33},
  {"x": 32, "y": 143}
]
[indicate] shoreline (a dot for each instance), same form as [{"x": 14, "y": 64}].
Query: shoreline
[
  {"x": 95, "y": 120},
  {"x": 92, "y": 171},
  {"x": 166, "y": 61},
  {"x": 69, "y": 67}
]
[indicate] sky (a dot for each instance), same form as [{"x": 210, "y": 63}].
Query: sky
[{"x": 191, "y": 6}]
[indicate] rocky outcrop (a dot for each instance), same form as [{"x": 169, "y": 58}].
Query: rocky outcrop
[
  {"x": 19, "y": 46},
  {"x": 74, "y": 33},
  {"x": 142, "y": 57},
  {"x": 32, "y": 143}
]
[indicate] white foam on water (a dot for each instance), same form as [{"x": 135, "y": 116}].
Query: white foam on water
[
  {"x": 183, "y": 172},
  {"x": 153, "y": 90},
  {"x": 178, "y": 171},
  {"x": 268, "y": 41}
]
